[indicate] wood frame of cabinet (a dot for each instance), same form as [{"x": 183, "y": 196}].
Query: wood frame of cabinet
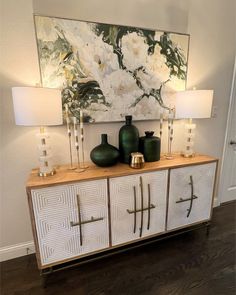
[{"x": 65, "y": 176}]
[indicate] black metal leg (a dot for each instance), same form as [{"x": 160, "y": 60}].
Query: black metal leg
[
  {"x": 44, "y": 280},
  {"x": 208, "y": 229},
  {"x": 44, "y": 276}
]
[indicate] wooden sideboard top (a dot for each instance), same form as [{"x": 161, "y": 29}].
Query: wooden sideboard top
[{"x": 64, "y": 175}]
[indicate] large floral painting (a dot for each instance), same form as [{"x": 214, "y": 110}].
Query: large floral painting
[{"x": 110, "y": 71}]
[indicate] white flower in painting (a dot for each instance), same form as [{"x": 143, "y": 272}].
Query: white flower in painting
[
  {"x": 156, "y": 71},
  {"x": 149, "y": 80},
  {"x": 120, "y": 89},
  {"x": 96, "y": 58},
  {"x": 147, "y": 108},
  {"x": 156, "y": 65},
  {"x": 99, "y": 60},
  {"x": 134, "y": 51}
]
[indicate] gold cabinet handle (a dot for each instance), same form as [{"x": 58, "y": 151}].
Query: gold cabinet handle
[
  {"x": 80, "y": 227},
  {"x": 149, "y": 204},
  {"x": 86, "y": 221},
  {"x": 135, "y": 209},
  {"x": 80, "y": 223},
  {"x": 139, "y": 210},
  {"x": 192, "y": 197},
  {"x": 181, "y": 200},
  {"x": 141, "y": 225}
]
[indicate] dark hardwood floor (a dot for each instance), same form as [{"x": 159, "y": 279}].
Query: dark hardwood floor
[{"x": 190, "y": 264}]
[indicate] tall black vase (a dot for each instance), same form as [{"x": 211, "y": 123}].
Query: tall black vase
[
  {"x": 105, "y": 154},
  {"x": 128, "y": 140}
]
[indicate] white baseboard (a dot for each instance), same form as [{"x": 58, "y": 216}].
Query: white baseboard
[
  {"x": 216, "y": 203},
  {"x": 18, "y": 250}
]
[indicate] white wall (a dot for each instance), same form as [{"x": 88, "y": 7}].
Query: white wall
[
  {"x": 210, "y": 66},
  {"x": 161, "y": 14},
  {"x": 18, "y": 66},
  {"x": 212, "y": 26}
]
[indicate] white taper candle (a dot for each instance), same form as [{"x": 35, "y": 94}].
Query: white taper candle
[
  {"x": 68, "y": 125},
  {"x": 76, "y": 132},
  {"x": 81, "y": 119},
  {"x": 67, "y": 119},
  {"x": 75, "y": 127}
]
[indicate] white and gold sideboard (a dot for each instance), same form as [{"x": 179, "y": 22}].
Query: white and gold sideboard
[{"x": 75, "y": 215}]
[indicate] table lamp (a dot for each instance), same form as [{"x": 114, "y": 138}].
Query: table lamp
[
  {"x": 37, "y": 106},
  {"x": 192, "y": 104}
]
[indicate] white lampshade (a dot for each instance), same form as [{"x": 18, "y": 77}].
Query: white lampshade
[
  {"x": 37, "y": 106},
  {"x": 192, "y": 104}
]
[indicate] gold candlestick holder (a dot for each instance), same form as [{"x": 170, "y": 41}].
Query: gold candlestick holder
[
  {"x": 68, "y": 124},
  {"x": 83, "y": 166},
  {"x": 161, "y": 124},
  {"x": 76, "y": 137},
  {"x": 171, "y": 116}
]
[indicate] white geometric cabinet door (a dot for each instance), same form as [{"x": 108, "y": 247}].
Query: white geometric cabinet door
[
  {"x": 138, "y": 206},
  {"x": 92, "y": 213},
  {"x": 190, "y": 195},
  {"x": 56, "y": 213}
]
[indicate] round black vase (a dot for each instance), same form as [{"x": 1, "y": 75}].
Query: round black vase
[
  {"x": 105, "y": 154},
  {"x": 150, "y": 147},
  {"x": 128, "y": 140}
]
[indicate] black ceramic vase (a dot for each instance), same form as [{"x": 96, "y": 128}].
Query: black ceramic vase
[
  {"x": 150, "y": 147},
  {"x": 128, "y": 140},
  {"x": 105, "y": 154}
]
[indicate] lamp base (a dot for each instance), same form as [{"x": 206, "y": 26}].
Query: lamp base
[
  {"x": 46, "y": 174},
  {"x": 84, "y": 166},
  {"x": 72, "y": 168},
  {"x": 188, "y": 155},
  {"x": 169, "y": 156},
  {"x": 79, "y": 170}
]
